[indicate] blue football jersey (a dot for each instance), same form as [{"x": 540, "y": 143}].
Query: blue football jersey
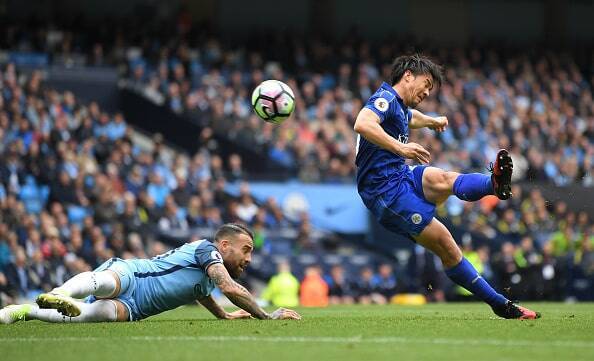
[
  {"x": 175, "y": 278},
  {"x": 378, "y": 168}
]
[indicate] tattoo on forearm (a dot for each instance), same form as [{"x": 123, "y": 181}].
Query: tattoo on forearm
[
  {"x": 210, "y": 304},
  {"x": 236, "y": 293}
]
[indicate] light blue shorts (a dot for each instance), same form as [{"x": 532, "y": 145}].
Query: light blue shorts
[{"x": 127, "y": 283}]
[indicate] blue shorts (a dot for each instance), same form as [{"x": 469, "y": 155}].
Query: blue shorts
[
  {"x": 127, "y": 283},
  {"x": 403, "y": 208}
]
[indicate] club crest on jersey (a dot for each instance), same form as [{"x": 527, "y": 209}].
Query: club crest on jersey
[
  {"x": 381, "y": 104},
  {"x": 416, "y": 218},
  {"x": 216, "y": 255}
]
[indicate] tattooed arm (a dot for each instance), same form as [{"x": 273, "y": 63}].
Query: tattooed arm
[
  {"x": 219, "y": 312},
  {"x": 235, "y": 292},
  {"x": 210, "y": 304}
]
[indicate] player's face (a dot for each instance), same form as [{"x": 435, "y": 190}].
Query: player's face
[
  {"x": 238, "y": 254},
  {"x": 419, "y": 88}
]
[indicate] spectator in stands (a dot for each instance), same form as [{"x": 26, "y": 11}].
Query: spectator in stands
[
  {"x": 17, "y": 274},
  {"x": 340, "y": 291},
  {"x": 364, "y": 288},
  {"x": 582, "y": 271},
  {"x": 283, "y": 288},
  {"x": 5, "y": 291},
  {"x": 246, "y": 209},
  {"x": 235, "y": 168},
  {"x": 506, "y": 268},
  {"x": 529, "y": 262},
  {"x": 5, "y": 252},
  {"x": 183, "y": 191},
  {"x": 157, "y": 189},
  {"x": 62, "y": 190},
  {"x": 173, "y": 218},
  {"x": 384, "y": 282},
  {"x": 552, "y": 274},
  {"x": 39, "y": 274},
  {"x": 314, "y": 290}
]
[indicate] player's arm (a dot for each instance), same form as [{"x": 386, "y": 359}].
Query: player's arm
[
  {"x": 420, "y": 120},
  {"x": 241, "y": 297},
  {"x": 219, "y": 312},
  {"x": 368, "y": 126}
]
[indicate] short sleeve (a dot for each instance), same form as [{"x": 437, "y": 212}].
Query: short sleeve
[
  {"x": 206, "y": 255},
  {"x": 379, "y": 103}
]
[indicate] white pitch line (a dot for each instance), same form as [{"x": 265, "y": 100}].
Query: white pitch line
[{"x": 322, "y": 339}]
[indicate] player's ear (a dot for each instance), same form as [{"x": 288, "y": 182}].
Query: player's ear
[
  {"x": 223, "y": 244},
  {"x": 409, "y": 76}
]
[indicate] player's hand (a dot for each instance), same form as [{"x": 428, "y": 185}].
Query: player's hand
[
  {"x": 416, "y": 152},
  {"x": 285, "y": 314},
  {"x": 439, "y": 124},
  {"x": 239, "y": 314}
]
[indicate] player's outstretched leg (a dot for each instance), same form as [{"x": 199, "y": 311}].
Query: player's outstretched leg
[
  {"x": 103, "y": 284},
  {"x": 438, "y": 184},
  {"x": 438, "y": 239},
  {"x": 98, "y": 311},
  {"x": 474, "y": 186}
]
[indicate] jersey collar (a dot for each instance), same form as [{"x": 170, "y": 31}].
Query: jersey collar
[{"x": 388, "y": 88}]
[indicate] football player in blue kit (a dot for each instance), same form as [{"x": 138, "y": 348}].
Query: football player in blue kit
[
  {"x": 403, "y": 198},
  {"x": 130, "y": 290}
]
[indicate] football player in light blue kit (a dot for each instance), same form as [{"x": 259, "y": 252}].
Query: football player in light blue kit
[
  {"x": 130, "y": 290},
  {"x": 403, "y": 198}
]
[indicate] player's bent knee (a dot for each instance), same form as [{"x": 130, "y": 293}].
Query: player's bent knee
[
  {"x": 445, "y": 181},
  {"x": 450, "y": 179},
  {"x": 121, "y": 311},
  {"x": 435, "y": 179},
  {"x": 438, "y": 184},
  {"x": 116, "y": 289}
]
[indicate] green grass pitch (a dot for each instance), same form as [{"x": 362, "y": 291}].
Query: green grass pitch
[{"x": 433, "y": 332}]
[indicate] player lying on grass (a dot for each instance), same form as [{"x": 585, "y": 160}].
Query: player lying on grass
[
  {"x": 130, "y": 290},
  {"x": 403, "y": 198}
]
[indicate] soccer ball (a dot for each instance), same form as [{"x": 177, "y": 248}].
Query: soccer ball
[{"x": 273, "y": 101}]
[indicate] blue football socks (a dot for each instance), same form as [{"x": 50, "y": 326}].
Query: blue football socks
[
  {"x": 466, "y": 276},
  {"x": 472, "y": 187}
]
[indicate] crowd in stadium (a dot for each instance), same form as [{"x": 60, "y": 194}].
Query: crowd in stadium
[
  {"x": 76, "y": 189},
  {"x": 537, "y": 103},
  {"x": 541, "y": 110}
]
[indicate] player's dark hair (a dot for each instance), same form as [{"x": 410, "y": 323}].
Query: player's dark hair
[
  {"x": 228, "y": 230},
  {"x": 416, "y": 64}
]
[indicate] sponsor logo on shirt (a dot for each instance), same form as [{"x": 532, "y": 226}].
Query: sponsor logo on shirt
[{"x": 416, "y": 218}]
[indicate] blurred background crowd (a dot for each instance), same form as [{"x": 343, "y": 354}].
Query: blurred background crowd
[
  {"x": 79, "y": 184},
  {"x": 536, "y": 102}
]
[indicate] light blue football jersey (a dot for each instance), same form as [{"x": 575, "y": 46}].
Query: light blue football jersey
[{"x": 164, "y": 282}]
